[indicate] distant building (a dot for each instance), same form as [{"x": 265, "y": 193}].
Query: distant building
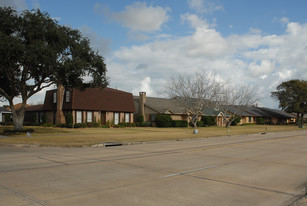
[
  {"x": 150, "y": 107},
  {"x": 90, "y": 105},
  {"x": 3, "y": 113}
]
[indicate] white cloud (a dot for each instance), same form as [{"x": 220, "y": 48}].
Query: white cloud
[
  {"x": 138, "y": 17},
  {"x": 194, "y": 20},
  {"x": 145, "y": 87},
  {"x": 261, "y": 60},
  {"x": 205, "y": 6},
  {"x": 205, "y": 43},
  {"x": 264, "y": 68}
]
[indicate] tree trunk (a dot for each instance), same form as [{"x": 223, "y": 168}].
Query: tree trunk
[
  {"x": 60, "y": 117},
  {"x": 298, "y": 119},
  {"x": 18, "y": 116},
  {"x": 194, "y": 122},
  {"x": 228, "y": 124}
]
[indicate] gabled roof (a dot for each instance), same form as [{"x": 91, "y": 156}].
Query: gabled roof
[
  {"x": 94, "y": 99},
  {"x": 256, "y": 111},
  {"x": 18, "y": 106},
  {"x": 239, "y": 110},
  {"x": 211, "y": 112},
  {"x": 38, "y": 107},
  {"x": 163, "y": 105},
  {"x": 261, "y": 112},
  {"x": 277, "y": 113}
]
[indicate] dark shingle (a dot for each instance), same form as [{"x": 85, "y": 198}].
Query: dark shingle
[{"x": 94, "y": 99}]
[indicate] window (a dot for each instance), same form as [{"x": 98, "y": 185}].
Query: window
[
  {"x": 54, "y": 97},
  {"x": 89, "y": 117},
  {"x": 67, "y": 96},
  {"x": 116, "y": 118},
  {"x": 127, "y": 117},
  {"x": 250, "y": 119},
  {"x": 79, "y": 117}
]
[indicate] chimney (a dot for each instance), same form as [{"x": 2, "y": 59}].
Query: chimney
[
  {"x": 59, "y": 117},
  {"x": 142, "y": 104}
]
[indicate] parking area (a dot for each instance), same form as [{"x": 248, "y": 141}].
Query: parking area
[{"x": 260, "y": 169}]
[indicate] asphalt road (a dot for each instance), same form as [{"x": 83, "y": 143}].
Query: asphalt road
[{"x": 264, "y": 169}]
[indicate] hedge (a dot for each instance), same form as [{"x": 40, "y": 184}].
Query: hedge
[
  {"x": 180, "y": 123},
  {"x": 209, "y": 120},
  {"x": 163, "y": 121}
]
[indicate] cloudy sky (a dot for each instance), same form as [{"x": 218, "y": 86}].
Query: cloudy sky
[{"x": 145, "y": 43}]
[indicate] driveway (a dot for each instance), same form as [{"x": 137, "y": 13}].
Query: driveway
[{"x": 263, "y": 169}]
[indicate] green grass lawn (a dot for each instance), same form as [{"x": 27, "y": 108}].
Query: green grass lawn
[{"x": 62, "y": 137}]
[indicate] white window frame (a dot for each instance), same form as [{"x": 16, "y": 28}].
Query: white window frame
[
  {"x": 89, "y": 116},
  {"x": 127, "y": 117},
  {"x": 116, "y": 117},
  {"x": 68, "y": 96},
  {"x": 54, "y": 97},
  {"x": 78, "y": 117}
]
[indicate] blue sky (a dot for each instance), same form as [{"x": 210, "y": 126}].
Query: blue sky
[{"x": 145, "y": 43}]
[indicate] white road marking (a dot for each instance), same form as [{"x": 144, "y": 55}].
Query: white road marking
[{"x": 189, "y": 171}]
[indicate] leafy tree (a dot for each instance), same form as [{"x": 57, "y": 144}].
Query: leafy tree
[
  {"x": 292, "y": 96},
  {"x": 36, "y": 52}
]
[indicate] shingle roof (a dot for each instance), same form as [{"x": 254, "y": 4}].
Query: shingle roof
[
  {"x": 163, "y": 105},
  {"x": 263, "y": 112},
  {"x": 277, "y": 113},
  {"x": 94, "y": 99},
  {"x": 239, "y": 110},
  {"x": 38, "y": 107},
  {"x": 256, "y": 112},
  {"x": 211, "y": 112}
]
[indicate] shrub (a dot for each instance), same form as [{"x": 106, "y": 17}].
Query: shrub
[
  {"x": 61, "y": 125},
  {"x": 69, "y": 118},
  {"x": 47, "y": 125},
  {"x": 80, "y": 125},
  {"x": 163, "y": 121},
  {"x": 209, "y": 120},
  {"x": 139, "y": 118},
  {"x": 199, "y": 124},
  {"x": 180, "y": 123},
  {"x": 92, "y": 124},
  {"x": 260, "y": 120},
  {"x": 31, "y": 124},
  {"x": 69, "y": 125},
  {"x": 118, "y": 126},
  {"x": 236, "y": 121},
  {"x": 127, "y": 124}
]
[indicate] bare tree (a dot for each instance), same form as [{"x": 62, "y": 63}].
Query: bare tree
[
  {"x": 233, "y": 100},
  {"x": 195, "y": 93}
]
